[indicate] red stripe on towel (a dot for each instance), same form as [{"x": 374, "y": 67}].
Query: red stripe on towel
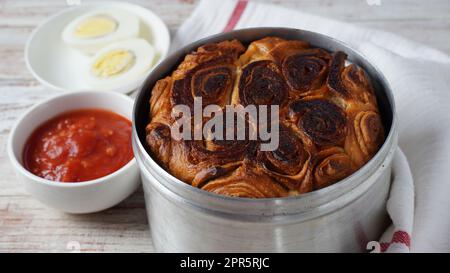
[
  {"x": 236, "y": 15},
  {"x": 400, "y": 237}
]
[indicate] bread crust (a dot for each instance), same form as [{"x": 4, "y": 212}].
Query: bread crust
[{"x": 330, "y": 124}]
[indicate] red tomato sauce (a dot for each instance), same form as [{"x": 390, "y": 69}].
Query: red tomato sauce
[{"x": 79, "y": 145}]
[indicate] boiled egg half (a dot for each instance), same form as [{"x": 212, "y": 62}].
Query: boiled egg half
[
  {"x": 121, "y": 63},
  {"x": 99, "y": 28}
]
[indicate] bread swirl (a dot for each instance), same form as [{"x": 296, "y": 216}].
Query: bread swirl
[{"x": 329, "y": 122}]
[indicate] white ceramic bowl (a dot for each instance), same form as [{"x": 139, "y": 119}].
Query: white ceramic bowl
[
  {"x": 82, "y": 197},
  {"x": 60, "y": 67}
]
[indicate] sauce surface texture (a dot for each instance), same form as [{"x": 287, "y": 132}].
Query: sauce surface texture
[{"x": 79, "y": 145}]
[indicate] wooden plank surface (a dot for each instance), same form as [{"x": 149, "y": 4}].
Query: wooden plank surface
[{"x": 26, "y": 225}]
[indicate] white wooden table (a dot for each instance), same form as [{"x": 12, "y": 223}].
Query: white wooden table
[{"x": 26, "y": 225}]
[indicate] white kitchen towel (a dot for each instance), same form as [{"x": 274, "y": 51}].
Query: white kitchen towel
[{"x": 419, "y": 202}]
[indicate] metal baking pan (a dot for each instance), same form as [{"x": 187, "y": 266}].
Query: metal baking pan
[{"x": 343, "y": 217}]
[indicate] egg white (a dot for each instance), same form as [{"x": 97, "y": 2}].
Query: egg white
[
  {"x": 127, "y": 26},
  {"x": 144, "y": 55}
]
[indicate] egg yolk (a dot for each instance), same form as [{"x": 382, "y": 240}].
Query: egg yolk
[
  {"x": 113, "y": 63},
  {"x": 95, "y": 26}
]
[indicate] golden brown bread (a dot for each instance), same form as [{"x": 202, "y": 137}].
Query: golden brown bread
[{"x": 329, "y": 120}]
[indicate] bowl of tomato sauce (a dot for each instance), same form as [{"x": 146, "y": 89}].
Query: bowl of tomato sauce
[{"x": 73, "y": 152}]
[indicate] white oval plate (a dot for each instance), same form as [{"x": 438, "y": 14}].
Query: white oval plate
[{"x": 63, "y": 68}]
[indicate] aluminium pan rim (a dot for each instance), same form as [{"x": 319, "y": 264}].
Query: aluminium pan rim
[{"x": 311, "y": 202}]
